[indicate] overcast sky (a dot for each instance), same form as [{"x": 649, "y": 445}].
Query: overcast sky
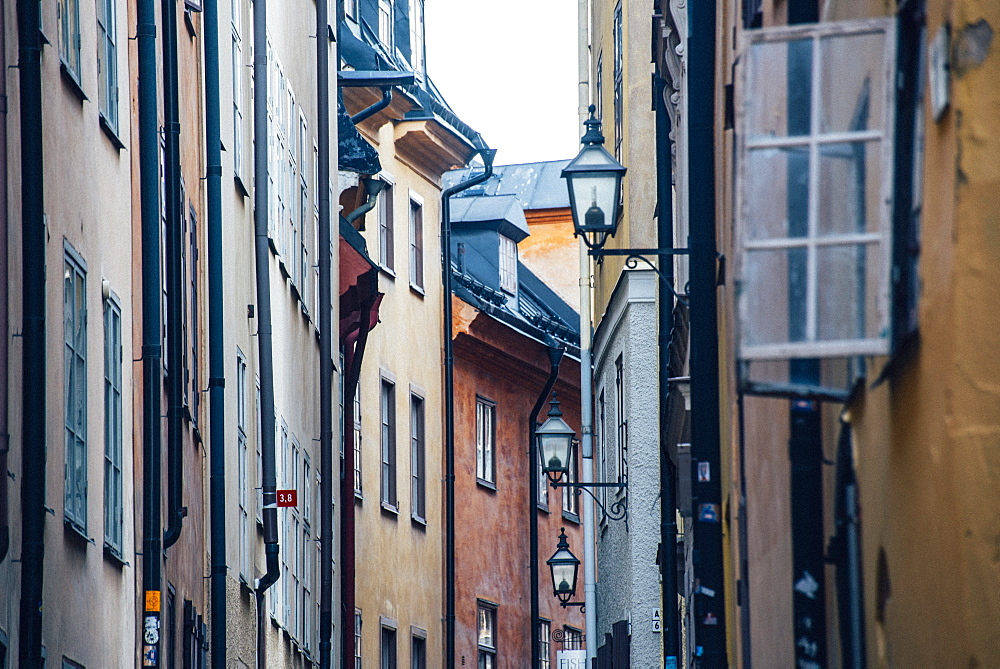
[{"x": 509, "y": 70}]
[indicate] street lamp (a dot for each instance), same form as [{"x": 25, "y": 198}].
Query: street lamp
[
  {"x": 594, "y": 180},
  {"x": 555, "y": 443},
  {"x": 564, "y": 567}
]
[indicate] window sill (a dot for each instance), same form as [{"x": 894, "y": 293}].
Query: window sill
[
  {"x": 390, "y": 509},
  {"x": 419, "y": 522},
  {"x": 240, "y": 186},
  {"x": 359, "y": 496},
  {"x": 544, "y": 508},
  {"x": 189, "y": 20},
  {"x": 76, "y": 532},
  {"x": 899, "y": 360},
  {"x": 111, "y": 133},
  {"x": 388, "y": 271},
  {"x": 571, "y": 517},
  {"x": 418, "y": 290},
  {"x": 114, "y": 556},
  {"x": 489, "y": 485},
  {"x": 71, "y": 80}
]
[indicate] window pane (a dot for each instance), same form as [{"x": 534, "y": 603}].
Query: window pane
[
  {"x": 849, "y": 176},
  {"x": 770, "y": 173},
  {"x": 851, "y": 93},
  {"x": 766, "y": 295},
  {"x": 846, "y": 277},
  {"x": 779, "y": 80}
]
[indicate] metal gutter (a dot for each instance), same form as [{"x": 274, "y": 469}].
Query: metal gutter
[{"x": 4, "y": 297}]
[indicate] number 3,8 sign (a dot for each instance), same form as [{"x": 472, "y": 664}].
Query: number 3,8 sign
[{"x": 288, "y": 498}]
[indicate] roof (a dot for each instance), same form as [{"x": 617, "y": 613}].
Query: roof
[
  {"x": 505, "y": 210},
  {"x": 536, "y": 185}
]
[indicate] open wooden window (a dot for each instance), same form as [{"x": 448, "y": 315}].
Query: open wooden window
[{"x": 814, "y": 187}]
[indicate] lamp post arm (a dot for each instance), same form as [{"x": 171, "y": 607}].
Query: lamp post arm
[{"x": 617, "y": 510}]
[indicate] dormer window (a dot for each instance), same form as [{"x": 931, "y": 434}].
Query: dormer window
[
  {"x": 417, "y": 36},
  {"x": 508, "y": 264},
  {"x": 385, "y": 23}
]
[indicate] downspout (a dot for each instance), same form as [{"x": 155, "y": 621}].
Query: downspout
[
  {"x": 487, "y": 155},
  {"x": 33, "y": 340},
  {"x": 354, "y": 346},
  {"x": 326, "y": 336},
  {"x": 175, "y": 287},
  {"x": 555, "y": 357},
  {"x": 216, "y": 337},
  {"x": 368, "y": 112},
  {"x": 586, "y": 365},
  {"x": 4, "y": 301},
  {"x": 665, "y": 325},
  {"x": 263, "y": 275},
  {"x": 706, "y": 446},
  {"x": 149, "y": 184}
]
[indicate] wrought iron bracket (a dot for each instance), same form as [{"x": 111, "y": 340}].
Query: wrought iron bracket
[
  {"x": 634, "y": 256},
  {"x": 566, "y": 605},
  {"x": 617, "y": 510}
]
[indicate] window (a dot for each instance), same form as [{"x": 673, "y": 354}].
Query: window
[
  {"x": 113, "y": 506},
  {"x": 385, "y": 229},
  {"x": 385, "y": 24},
  {"x": 544, "y": 645},
  {"x": 70, "y": 664},
  {"x": 238, "y": 72},
  {"x": 416, "y": 244},
  {"x": 621, "y": 420},
  {"x": 599, "y": 88},
  {"x": 75, "y": 371},
  {"x": 618, "y": 75},
  {"x": 417, "y": 462},
  {"x": 351, "y": 9},
  {"x": 485, "y": 440},
  {"x": 573, "y": 639},
  {"x": 417, "y": 36},
  {"x": 357, "y": 639},
  {"x": 244, "y": 466},
  {"x": 543, "y": 486},
  {"x": 388, "y": 406},
  {"x": 602, "y": 435},
  {"x": 487, "y": 617},
  {"x": 571, "y": 496},
  {"x": 107, "y": 62},
  {"x": 815, "y": 191},
  {"x": 418, "y": 653},
  {"x": 388, "y": 648},
  {"x": 508, "y": 264},
  {"x": 69, "y": 37},
  {"x": 357, "y": 440}
]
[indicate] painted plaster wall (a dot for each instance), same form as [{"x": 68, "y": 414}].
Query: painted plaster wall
[
  {"x": 400, "y": 558},
  {"x": 628, "y": 580},
  {"x": 492, "y": 536},
  {"x": 87, "y": 203},
  {"x": 551, "y": 251},
  {"x": 926, "y": 440}
]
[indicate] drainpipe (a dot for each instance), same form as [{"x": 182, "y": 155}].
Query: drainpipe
[
  {"x": 262, "y": 263},
  {"x": 704, "y": 351},
  {"x": 555, "y": 357},
  {"x": 216, "y": 337},
  {"x": 487, "y": 155},
  {"x": 326, "y": 337},
  {"x": 4, "y": 287},
  {"x": 149, "y": 178},
  {"x": 586, "y": 365},
  {"x": 665, "y": 322},
  {"x": 175, "y": 287},
  {"x": 33, "y": 340},
  {"x": 354, "y": 350}
]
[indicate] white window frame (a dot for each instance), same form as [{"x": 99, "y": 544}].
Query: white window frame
[
  {"x": 486, "y": 625},
  {"x": 107, "y": 61},
  {"x": 415, "y": 217},
  {"x": 69, "y": 39},
  {"x": 418, "y": 457},
  {"x": 75, "y": 391},
  {"x": 879, "y": 241},
  {"x": 417, "y": 37},
  {"x": 386, "y": 24},
  {"x": 544, "y": 644},
  {"x": 387, "y": 227},
  {"x": 113, "y": 426},
  {"x": 238, "y": 71},
  {"x": 243, "y": 456},
  {"x": 486, "y": 431},
  {"x": 389, "y": 425},
  {"x": 508, "y": 264}
]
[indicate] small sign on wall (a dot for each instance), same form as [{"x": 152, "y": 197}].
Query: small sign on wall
[
  {"x": 288, "y": 498},
  {"x": 571, "y": 659}
]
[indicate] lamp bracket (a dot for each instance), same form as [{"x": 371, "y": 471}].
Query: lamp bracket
[
  {"x": 566, "y": 605},
  {"x": 634, "y": 256},
  {"x": 617, "y": 510}
]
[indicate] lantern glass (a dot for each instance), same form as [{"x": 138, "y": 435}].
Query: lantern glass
[
  {"x": 594, "y": 182},
  {"x": 555, "y": 445},
  {"x": 564, "y": 567}
]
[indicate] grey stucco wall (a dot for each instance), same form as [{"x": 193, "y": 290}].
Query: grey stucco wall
[{"x": 628, "y": 585}]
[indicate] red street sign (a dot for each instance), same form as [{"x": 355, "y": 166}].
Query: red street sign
[{"x": 288, "y": 498}]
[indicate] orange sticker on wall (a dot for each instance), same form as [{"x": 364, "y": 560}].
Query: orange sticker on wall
[{"x": 153, "y": 600}]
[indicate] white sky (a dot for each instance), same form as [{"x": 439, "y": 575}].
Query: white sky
[{"x": 509, "y": 70}]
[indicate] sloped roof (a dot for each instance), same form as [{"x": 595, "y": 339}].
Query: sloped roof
[{"x": 537, "y": 185}]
